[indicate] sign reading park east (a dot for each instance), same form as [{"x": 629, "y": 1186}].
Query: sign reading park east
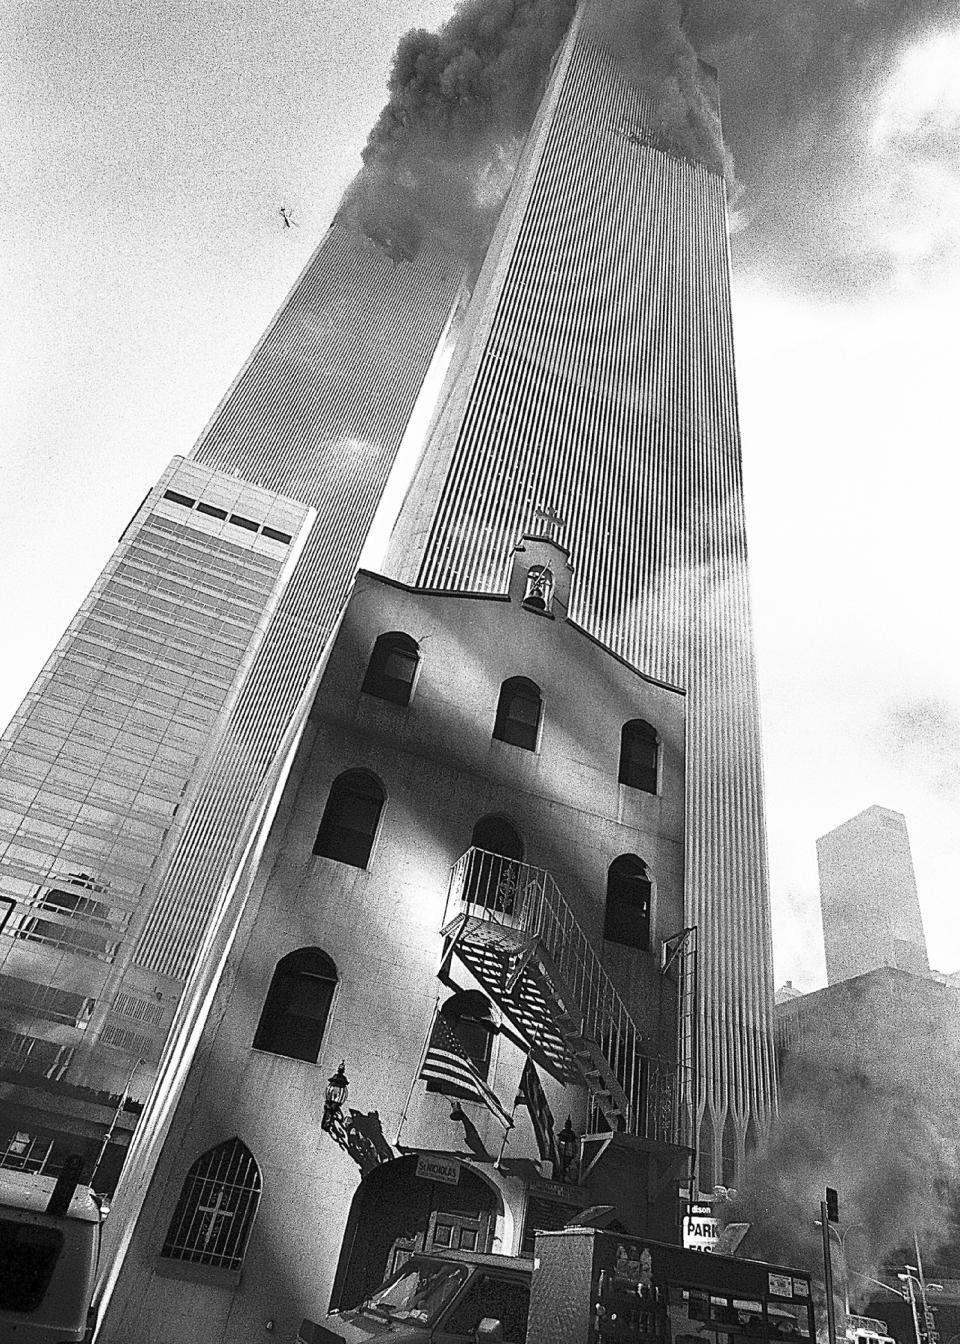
[{"x": 700, "y": 1228}]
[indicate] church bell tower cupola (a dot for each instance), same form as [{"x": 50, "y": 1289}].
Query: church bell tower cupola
[{"x": 540, "y": 574}]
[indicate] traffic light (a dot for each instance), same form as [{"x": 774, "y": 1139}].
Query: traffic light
[{"x": 833, "y": 1206}]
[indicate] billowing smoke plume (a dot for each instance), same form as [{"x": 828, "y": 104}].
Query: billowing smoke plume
[
  {"x": 870, "y": 1108},
  {"x": 845, "y": 180},
  {"x": 844, "y": 122},
  {"x": 655, "y": 53},
  {"x": 441, "y": 156}
]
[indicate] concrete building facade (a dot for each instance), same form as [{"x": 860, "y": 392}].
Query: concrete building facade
[
  {"x": 868, "y": 897},
  {"x": 486, "y": 892}
]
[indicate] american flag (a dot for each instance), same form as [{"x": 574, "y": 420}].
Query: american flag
[
  {"x": 447, "y": 1062},
  {"x": 532, "y": 1096}
]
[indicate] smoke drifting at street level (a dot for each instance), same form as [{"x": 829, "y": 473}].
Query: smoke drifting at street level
[
  {"x": 873, "y": 1112},
  {"x": 441, "y": 156}
]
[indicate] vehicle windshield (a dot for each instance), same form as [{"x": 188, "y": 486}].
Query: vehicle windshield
[
  {"x": 28, "y": 1256},
  {"x": 420, "y": 1291}
]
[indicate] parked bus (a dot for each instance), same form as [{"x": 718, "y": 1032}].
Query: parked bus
[
  {"x": 49, "y": 1246},
  {"x": 583, "y": 1286}
]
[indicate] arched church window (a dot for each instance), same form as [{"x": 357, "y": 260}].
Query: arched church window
[
  {"x": 350, "y": 818},
  {"x": 392, "y": 668},
  {"x": 627, "y": 919},
  {"x": 467, "y": 1015},
  {"x": 639, "y": 755},
  {"x": 493, "y": 877},
  {"x": 518, "y": 713},
  {"x": 297, "y": 1005},
  {"x": 214, "y": 1215}
]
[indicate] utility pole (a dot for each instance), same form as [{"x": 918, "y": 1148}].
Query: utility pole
[
  {"x": 829, "y": 1213},
  {"x": 929, "y": 1322},
  {"x": 918, "y": 1335}
]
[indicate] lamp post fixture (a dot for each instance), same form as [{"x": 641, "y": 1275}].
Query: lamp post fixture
[
  {"x": 914, "y": 1275},
  {"x": 334, "y": 1097},
  {"x": 841, "y": 1235},
  {"x": 568, "y": 1146}
]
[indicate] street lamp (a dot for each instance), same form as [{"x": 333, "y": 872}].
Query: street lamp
[
  {"x": 914, "y": 1275},
  {"x": 334, "y": 1097},
  {"x": 568, "y": 1146},
  {"x": 841, "y": 1235}
]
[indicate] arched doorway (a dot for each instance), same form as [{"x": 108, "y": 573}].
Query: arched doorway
[{"x": 396, "y": 1212}]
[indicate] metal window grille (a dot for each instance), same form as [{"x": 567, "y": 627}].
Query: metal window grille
[
  {"x": 131, "y": 1006},
  {"x": 214, "y": 1215},
  {"x": 124, "y": 1039},
  {"x": 25, "y": 1152}
]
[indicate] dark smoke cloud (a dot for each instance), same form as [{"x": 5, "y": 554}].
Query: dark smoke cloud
[
  {"x": 872, "y": 1110},
  {"x": 922, "y": 735},
  {"x": 655, "y": 53},
  {"x": 831, "y": 203},
  {"x": 440, "y": 158},
  {"x": 836, "y": 192}
]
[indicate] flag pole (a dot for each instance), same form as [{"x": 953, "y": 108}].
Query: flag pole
[
  {"x": 423, "y": 1054},
  {"x": 516, "y": 1100}
]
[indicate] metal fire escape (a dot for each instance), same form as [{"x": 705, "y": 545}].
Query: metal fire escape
[{"x": 512, "y": 928}]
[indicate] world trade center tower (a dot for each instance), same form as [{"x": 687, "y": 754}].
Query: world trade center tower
[{"x": 594, "y": 385}]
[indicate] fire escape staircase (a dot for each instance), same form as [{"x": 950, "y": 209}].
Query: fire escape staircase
[{"x": 509, "y": 924}]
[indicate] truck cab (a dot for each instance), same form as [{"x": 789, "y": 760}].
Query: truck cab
[
  {"x": 446, "y": 1297},
  {"x": 49, "y": 1245}
]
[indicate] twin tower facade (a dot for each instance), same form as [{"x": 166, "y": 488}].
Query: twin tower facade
[{"x": 589, "y": 399}]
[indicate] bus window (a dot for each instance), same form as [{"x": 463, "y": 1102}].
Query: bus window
[
  {"x": 28, "y": 1254},
  {"x": 788, "y": 1320}
]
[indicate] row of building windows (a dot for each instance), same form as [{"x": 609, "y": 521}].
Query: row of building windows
[
  {"x": 349, "y": 825},
  {"x": 391, "y": 673},
  {"x": 215, "y": 511}
]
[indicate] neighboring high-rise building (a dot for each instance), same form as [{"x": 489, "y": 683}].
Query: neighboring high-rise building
[
  {"x": 129, "y": 776},
  {"x": 868, "y": 897},
  {"x": 595, "y": 381},
  {"x": 98, "y": 771}
]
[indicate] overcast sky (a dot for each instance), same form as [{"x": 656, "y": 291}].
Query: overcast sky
[{"x": 147, "y": 151}]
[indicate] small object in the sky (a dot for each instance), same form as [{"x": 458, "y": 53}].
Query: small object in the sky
[{"x": 288, "y": 220}]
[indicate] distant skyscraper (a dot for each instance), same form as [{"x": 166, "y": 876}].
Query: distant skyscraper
[
  {"x": 596, "y": 381},
  {"x": 868, "y": 897},
  {"x": 128, "y": 775}
]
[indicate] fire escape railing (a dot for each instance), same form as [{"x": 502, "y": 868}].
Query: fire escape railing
[{"x": 535, "y": 918}]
